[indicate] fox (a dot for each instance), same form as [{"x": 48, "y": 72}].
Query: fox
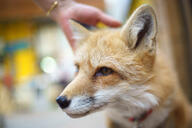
[{"x": 125, "y": 73}]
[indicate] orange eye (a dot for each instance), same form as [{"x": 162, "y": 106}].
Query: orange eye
[{"x": 104, "y": 71}]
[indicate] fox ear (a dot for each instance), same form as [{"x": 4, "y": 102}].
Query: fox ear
[
  {"x": 79, "y": 32},
  {"x": 141, "y": 28}
]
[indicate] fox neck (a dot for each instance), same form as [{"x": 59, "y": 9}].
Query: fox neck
[{"x": 153, "y": 120}]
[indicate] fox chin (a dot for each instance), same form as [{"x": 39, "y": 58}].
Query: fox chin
[{"x": 124, "y": 72}]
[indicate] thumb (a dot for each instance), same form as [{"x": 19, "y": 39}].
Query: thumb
[{"x": 109, "y": 21}]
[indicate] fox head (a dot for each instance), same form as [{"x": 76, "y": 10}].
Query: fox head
[{"x": 113, "y": 66}]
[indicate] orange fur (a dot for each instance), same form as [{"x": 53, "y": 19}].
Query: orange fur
[{"x": 144, "y": 65}]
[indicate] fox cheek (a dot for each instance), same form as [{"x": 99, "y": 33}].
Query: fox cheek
[{"x": 110, "y": 80}]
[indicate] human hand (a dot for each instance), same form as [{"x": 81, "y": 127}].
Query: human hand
[{"x": 83, "y": 13}]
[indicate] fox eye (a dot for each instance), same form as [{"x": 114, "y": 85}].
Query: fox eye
[{"x": 104, "y": 71}]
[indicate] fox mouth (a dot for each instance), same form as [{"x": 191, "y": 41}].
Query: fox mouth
[{"x": 78, "y": 113}]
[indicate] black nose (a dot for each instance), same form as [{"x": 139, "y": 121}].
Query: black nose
[{"x": 63, "y": 101}]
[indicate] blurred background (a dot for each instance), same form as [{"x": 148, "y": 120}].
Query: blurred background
[{"x": 36, "y": 62}]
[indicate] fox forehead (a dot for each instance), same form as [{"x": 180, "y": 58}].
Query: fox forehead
[{"x": 103, "y": 48}]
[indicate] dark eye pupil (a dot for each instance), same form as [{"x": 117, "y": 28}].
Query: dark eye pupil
[{"x": 106, "y": 71}]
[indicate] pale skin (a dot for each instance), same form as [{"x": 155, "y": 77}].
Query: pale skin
[{"x": 68, "y": 9}]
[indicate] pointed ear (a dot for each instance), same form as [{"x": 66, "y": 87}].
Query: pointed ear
[
  {"x": 141, "y": 28},
  {"x": 79, "y": 32}
]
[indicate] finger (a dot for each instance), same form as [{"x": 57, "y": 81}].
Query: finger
[
  {"x": 109, "y": 21},
  {"x": 67, "y": 30}
]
